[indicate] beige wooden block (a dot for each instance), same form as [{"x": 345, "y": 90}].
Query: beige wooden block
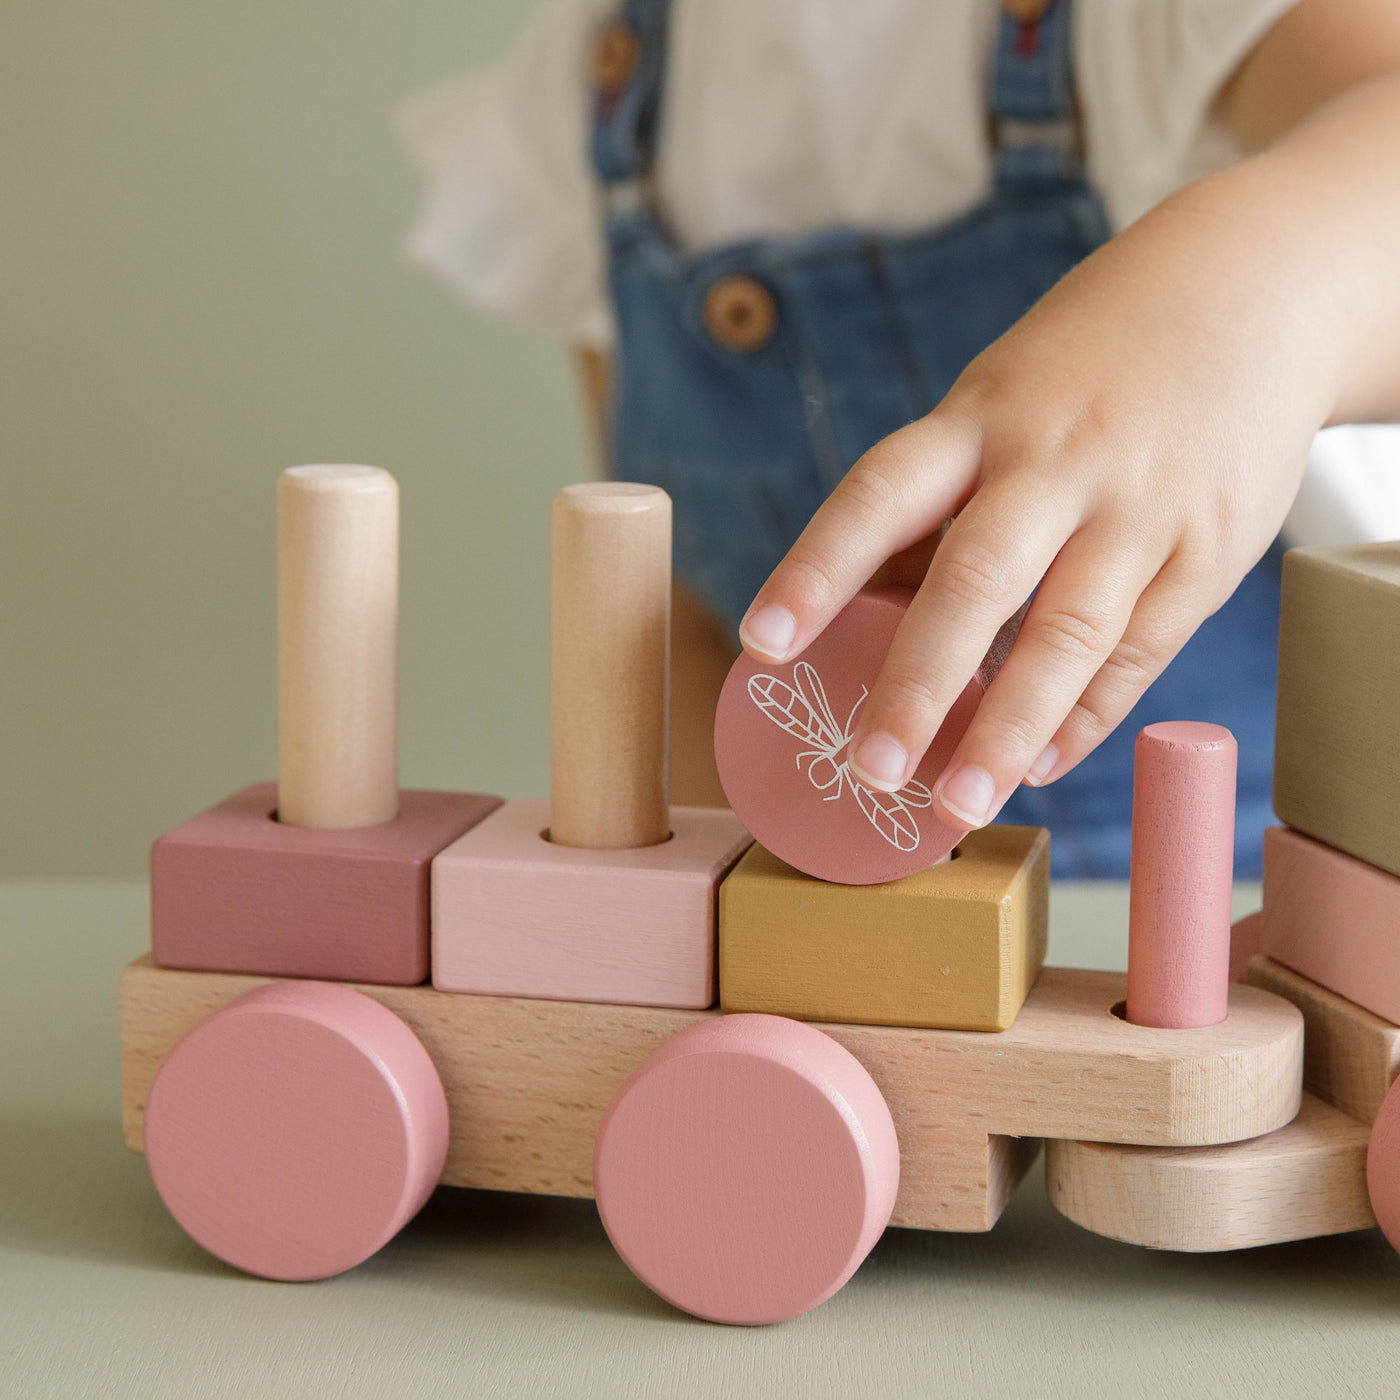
[
  {"x": 1350, "y": 1057},
  {"x": 1306, "y": 1179},
  {"x": 955, "y": 946},
  {"x": 527, "y": 1081},
  {"x": 1337, "y": 751},
  {"x": 610, "y": 629}
]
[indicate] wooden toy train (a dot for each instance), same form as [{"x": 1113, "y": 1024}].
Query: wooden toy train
[{"x": 882, "y": 1052}]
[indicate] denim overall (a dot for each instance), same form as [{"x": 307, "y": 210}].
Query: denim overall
[{"x": 865, "y": 332}]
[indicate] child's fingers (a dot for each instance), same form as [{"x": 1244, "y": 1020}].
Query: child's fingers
[
  {"x": 994, "y": 554},
  {"x": 1161, "y": 624},
  {"x": 900, "y": 492},
  {"x": 1076, "y": 621}
]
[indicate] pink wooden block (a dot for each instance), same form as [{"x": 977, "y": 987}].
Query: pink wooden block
[
  {"x": 780, "y": 743},
  {"x": 746, "y": 1169},
  {"x": 1333, "y": 918},
  {"x": 1245, "y": 935},
  {"x": 1383, "y": 1166},
  {"x": 1182, "y": 864},
  {"x": 297, "y": 1130},
  {"x": 233, "y": 890},
  {"x": 515, "y": 915}
]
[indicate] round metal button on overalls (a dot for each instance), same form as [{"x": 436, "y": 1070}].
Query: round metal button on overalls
[
  {"x": 741, "y": 314},
  {"x": 615, "y": 58}
]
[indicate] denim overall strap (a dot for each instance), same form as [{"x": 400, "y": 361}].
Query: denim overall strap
[
  {"x": 625, "y": 122},
  {"x": 1031, "y": 102}
]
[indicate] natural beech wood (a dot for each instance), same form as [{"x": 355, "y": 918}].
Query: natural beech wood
[
  {"x": 527, "y": 1081},
  {"x": 337, "y": 646},
  {"x": 1306, "y": 1179},
  {"x": 1350, "y": 1057},
  {"x": 610, "y": 610}
]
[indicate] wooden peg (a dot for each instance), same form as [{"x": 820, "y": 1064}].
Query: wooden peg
[
  {"x": 610, "y": 622},
  {"x": 1182, "y": 864},
  {"x": 337, "y": 646}
]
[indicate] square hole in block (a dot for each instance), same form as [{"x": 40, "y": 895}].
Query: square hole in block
[
  {"x": 957, "y": 946},
  {"x": 515, "y": 915},
  {"x": 233, "y": 890}
]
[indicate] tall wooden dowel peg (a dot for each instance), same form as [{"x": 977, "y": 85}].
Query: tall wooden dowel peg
[
  {"x": 1182, "y": 866},
  {"x": 337, "y": 646},
  {"x": 610, "y": 628}
]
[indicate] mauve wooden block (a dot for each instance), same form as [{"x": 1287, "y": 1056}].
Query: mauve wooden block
[
  {"x": 233, "y": 890},
  {"x": 514, "y": 915},
  {"x": 1333, "y": 918}
]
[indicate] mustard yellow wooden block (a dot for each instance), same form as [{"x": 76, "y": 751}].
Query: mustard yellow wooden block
[{"x": 956, "y": 947}]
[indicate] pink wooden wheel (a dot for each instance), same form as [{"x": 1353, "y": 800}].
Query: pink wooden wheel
[
  {"x": 1383, "y": 1166},
  {"x": 296, "y": 1130},
  {"x": 746, "y": 1168}
]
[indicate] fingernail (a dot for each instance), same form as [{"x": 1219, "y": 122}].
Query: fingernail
[
  {"x": 770, "y": 630},
  {"x": 967, "y": 792},
  {"x": 1040, "y": 769},
  {"x": 880, "y": 762}
]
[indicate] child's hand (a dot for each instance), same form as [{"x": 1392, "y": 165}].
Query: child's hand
[{"x": 1131, "y": 446}]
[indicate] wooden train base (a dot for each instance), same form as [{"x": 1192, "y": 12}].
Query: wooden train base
[{"x": 527, "y": 1081}]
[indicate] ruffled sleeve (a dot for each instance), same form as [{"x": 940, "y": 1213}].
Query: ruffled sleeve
[{"x": 509, "y": 217}]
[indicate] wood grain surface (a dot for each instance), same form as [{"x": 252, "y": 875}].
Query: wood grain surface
[
  {"x": 527, "y": 1081},
  {"x": 1306, "y": 1179},
  {"x": 1350, "y": 1056}
]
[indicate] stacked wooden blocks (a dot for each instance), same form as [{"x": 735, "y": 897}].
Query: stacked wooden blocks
[
  {"x": 1330, "y": 930},
  {"x": 569, "y": 1040},
  {"x": 854, "y": 905},
  {"x": 606, "y": 893}
]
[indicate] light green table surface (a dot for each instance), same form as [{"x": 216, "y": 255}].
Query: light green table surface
[{"x": 101, "y": 1294}]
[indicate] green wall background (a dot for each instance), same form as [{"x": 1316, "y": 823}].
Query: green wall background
[{"x": 200, "y": 283}]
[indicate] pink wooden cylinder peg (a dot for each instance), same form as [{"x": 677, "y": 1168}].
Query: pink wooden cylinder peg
[
  {"x": 1182, "y": 867},
  {"x": 297, "y": 1130},
  {"x": 746, "y": 1169}
]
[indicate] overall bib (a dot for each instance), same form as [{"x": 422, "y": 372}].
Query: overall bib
[{"x": 750, "y": 378}]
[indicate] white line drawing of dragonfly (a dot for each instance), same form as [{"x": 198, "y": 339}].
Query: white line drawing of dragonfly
[{"x": 802, "y": 710}]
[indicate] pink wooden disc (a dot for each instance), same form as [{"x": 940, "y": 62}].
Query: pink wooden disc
[
  {"x": 297, "y": 1130},
  {"x": 745, "y": 1170},
  {"x": 1383, "y": 1166},
  {"x": 780, "y": 743}
]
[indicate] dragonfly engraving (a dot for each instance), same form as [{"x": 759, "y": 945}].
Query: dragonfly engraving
[{"x": 802, "y": 710}]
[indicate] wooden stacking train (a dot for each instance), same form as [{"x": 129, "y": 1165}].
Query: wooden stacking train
[{"x": 357, "y": 992}]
